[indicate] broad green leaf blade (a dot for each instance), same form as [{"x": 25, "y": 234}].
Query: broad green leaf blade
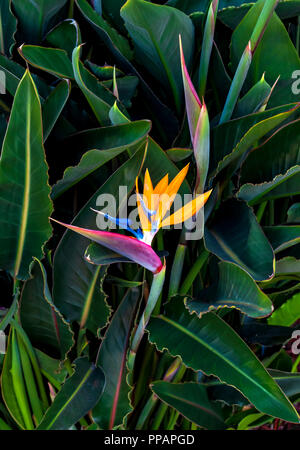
[
  {"x": 53, "y": 106},
  {"x": 234, "y": 138},
  {"x": 8, "y": 27},
  {"x": 288, "y": 313},
  {"x": 235, "y": 236},
  {"x": 13, "y": 385},
  {"x": 254, "y": 100},
  {"x": 191, "y": 400},
  {"x": 76, "y": 398},
  {"x": 52, "y": 60},
  {"x": 289, "y": 382},
  {"x": 114, "y": 404},
  {"x": 99, "y": 106},
  {"x": 293, "y": 214},
  {"x": 283, "y": 237},
  {"x": 71, "y": 290},
  {"x": 281, "y": 59},
  {"x": 161, "y": 115},
  {"x": 281, "y": 186},
  {"x": 43, "y": 323},
  {"x": 66, "y": 35},
  {"x": 99, "y": 255},
  {"x": 24, "y": 191},
  {"x": 288, "y": 266},
  {"x": 268, "y": 160},
  {"x": 233, "y": 289},
  {"x": 209, "y": 344},
  {"x": 156, "y": 41},
  {"x": 109, "y": 142},
  {"x": 35, "y": 19}
]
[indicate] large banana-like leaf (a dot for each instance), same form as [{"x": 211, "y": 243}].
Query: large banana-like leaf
[
  {"x": 24, "y": 191},
  {"x": 234, "y": 288},
  {"x": 210, "y": 345}
]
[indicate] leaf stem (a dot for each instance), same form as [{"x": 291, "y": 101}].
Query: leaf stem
[
  {"x": 155, "y": 291},
  {"x": 194, "y": 271}
]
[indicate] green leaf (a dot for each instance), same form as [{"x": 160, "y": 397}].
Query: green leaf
[
  {"x": 76, "y": 398},
  {"x": 156, "y": 42},
  {"x": 8, "y": 27},
  {"x": 191, "y": 400},
  {"x": 114, "y": 404},
  {"x": 287, "y": 266},
  {"x": 126, "y": 88},
  {"x": 235, "y": 236},
  {"x": 108, "y": 142},
  {"x": 66, "y": 35},
  {"x": 281, "y": 186},
  {"x": 254, "y": 100},
  {"x": 71, "y": 291},
  {"x": 288, "y": 313},
  {"x": 99, "y": 106},
  {"x": 162, "y": 117},
  {"x": 179, "y": 154},
  {"x": 281, "y": 59},
  {"x": 118, "y": 41},
  {"x": 35, "y": 19},
  {"x": 52, "y": 60},
  {"x": 24, "y": 191},
  {"x": 234, "y": 288},
  {"x": 234, "y": 138},
  {"x": 209, "y": 344},
  {"x": 51, "y": 369},
  {"x": 43, "y": 323},
  {"x": 13, "y": 385},
  {"x": 289, "y": 382},
  {"x": 99, "y": 255},
  {"x": 53, "y": 106},
  {"x": 268, "y": 160},
  {"x": 282, "y": 237},
  {"x": 293, "y": 214}
]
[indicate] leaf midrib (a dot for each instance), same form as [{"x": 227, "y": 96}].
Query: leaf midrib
[
  {"x": 25, "y": 203},
  {"x": 221, "y": 356}
]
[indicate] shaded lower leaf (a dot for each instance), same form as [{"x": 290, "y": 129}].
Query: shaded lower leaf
[
  {"x": 283, "y": 237},
  {"x": 235, "y": 236},
  {"x": 209, "y": 344},
  {"x": 191, "y": 400},
  {"x": 54, "y": 105},
  {"x": 114, "y": 404},
  {"x": 76, "y": 398},
  {"x": 281, "y": 186},
  {"x": 234, "y": 289},
  {"x": 288, "y": 313},
  {"x": 43, "y": 323}
]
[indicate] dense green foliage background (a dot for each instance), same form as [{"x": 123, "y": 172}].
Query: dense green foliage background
[{"x": 94, "y": 96}]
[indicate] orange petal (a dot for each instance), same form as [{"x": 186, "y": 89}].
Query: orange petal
[
  {"x": 172, "y": 190},
  {"x": 187, "y": 211},
  {"x": 146, "y": 226},
  {"x": 148, "y": 189},
  {"x": 162, "y": 185}
]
